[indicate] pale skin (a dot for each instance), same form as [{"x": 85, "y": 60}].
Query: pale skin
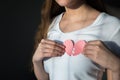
[
  {"x": 97, "y": 52},
  {"x": 76, "y": 14},
  {"x": 46, "y": 48}
]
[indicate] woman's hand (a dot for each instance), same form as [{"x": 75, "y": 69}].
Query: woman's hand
[
  {"x": 99, "y": 53},
  {"x": 48, "y": 48}
]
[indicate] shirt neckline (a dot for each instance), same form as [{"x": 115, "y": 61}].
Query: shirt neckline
[{"x": 95, "y": 22}]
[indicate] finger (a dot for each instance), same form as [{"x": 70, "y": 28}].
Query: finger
[
  {"x": 91, "y": 52},
  {"x": 53, "y": 48},
  {"x": 91, "y": 56},
  {"x": 53, "y": 43},
  {"x": 90, "y": 46},
  {"x": 97, "y": 42},
  {"x": 88, "y": 51},
  {"x": 52, "y": 51},
  {"x": 48, "y": 54},
  {"x": 48, "y": 50}
]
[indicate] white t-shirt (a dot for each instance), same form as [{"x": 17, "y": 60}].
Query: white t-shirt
[{"x": 105, "y": 28}]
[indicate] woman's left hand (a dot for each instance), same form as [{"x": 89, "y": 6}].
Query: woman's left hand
[{"x": 100, "y": 54}]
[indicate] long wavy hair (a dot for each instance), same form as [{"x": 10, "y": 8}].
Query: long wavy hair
[{"x": 51, "y": 9}]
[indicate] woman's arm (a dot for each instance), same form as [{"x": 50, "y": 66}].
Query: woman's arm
[
  {"x": 97, "y": 52},
  {"x": 113, "y": 75},
  {"x": 109, "y": 74},
  {"x": 46, "y": 48},
  {"x": 114, "y": 72},
  {"x": 39, "y": 71},
  {"x": 116, "y": 75}
]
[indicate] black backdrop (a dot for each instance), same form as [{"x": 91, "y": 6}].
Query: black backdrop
[{"x": 18, "y": 22}]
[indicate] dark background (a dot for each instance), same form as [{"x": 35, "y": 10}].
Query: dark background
[{"x": 18, "y": 22}]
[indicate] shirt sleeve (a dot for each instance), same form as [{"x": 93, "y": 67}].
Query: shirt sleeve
[{"x": 115, "y": 41}]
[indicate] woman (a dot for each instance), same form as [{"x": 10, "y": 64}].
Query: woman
[{"x": 66, "y": 25}]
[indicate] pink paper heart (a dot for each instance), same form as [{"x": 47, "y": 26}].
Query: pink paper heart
[{"x": 74, "y": 48}]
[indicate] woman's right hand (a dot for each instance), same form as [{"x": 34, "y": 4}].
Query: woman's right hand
[{"x": 48, "y": 48}]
